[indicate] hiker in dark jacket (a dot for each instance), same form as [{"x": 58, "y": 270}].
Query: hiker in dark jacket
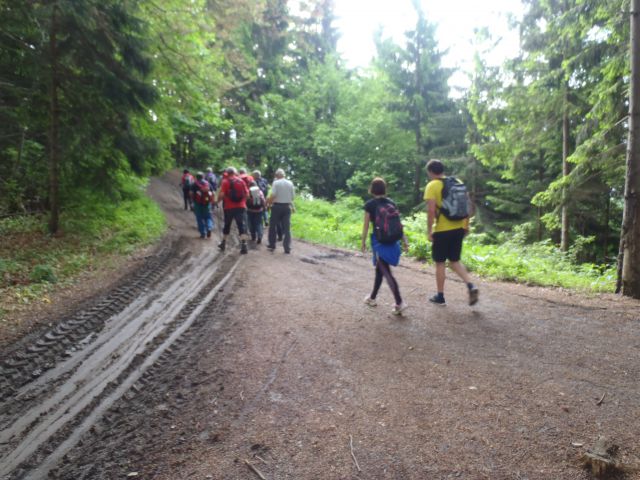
[
  {"x": 384, "y": 255},
  {"x": 212, "y": 179},
  {"x": 186, "y": 182}
]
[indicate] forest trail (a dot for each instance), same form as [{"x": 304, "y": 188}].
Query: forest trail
[{"x": 210, "y": 365}]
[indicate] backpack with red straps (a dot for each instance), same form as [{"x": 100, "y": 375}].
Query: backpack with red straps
[
  {"x": 202, "y": 194},
  {"x": 388, "y": 227},
  {"x": 236, "y": 189},
  {"x": 187, "y": 181}
]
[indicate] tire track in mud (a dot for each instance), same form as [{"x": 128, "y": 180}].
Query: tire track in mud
[
  {"x": 146, "y": 413},
  {"x": 72, "y": 334},
  {"x": 45, "y": 418}
]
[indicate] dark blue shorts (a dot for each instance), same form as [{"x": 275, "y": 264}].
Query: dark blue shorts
[{"x": 447, "y": 245}]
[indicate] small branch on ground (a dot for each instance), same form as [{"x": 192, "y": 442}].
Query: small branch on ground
[
  {"x": 599, "y": 402},
  {"x": 352, "y": 454},
  {"x": 261, "y": 459},
  {"x": 255, "y": 470}
]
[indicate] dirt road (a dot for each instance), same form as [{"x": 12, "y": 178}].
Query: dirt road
[{"x": 216, "y": 366}]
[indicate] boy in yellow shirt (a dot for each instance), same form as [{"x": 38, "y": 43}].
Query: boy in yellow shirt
[{"x": 446, "y": 236}]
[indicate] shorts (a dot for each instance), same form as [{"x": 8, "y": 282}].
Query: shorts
[
  {"x": 236, "y": 214},
  {"x": 447, "y": 245}
]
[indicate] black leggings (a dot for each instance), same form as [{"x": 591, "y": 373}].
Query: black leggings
[{"x": 384, "y": 270}]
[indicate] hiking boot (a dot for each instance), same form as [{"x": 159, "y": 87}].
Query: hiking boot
[
  {"x": 370, "y": 302},
  {"x": 271, "y": 248},
  {"x": 259, "y": 241},
  {"x": 398, "y": 309},
  {"x": 473, "y": 295},
  {"x": 243, "y": 248},
  {"x": 222, "y": 245},
  {"x": 438, "y": 300},
  {"x": 208, "y": 233}
]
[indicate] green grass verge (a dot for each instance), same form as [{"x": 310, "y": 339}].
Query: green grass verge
[
  {"x": 340, "y": 224},
  {"x": 32, "y": 262}
]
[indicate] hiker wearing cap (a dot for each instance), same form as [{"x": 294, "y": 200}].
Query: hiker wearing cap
[
  {"x": 386, "y": 233},
  {"x": 446, "y": 230},
  {"x": 281, "y": 203},
  {"x": 202, "y": 198},
  {"x": 233, "y": 195}
]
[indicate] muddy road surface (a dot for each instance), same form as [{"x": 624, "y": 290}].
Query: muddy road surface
[{"x": 220, "y": 366}]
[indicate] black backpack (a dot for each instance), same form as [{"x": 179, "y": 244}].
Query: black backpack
[
  {"x": 388, "y": 227},
  {"x": 455, "y": 200}
]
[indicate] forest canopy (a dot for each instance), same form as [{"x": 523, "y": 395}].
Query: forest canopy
[{"x": 95, "y": 91}]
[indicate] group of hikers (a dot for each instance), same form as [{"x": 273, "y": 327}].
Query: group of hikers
[{"x": 247, "y": 199}]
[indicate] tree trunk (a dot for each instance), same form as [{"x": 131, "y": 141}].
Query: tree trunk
[
  {"x": 419, "y": 163},
  {"x": 417, "y": 181},
  {"x": 564, "y": 231},
  {"x": 607, "y": 230},
  {"x": 629, "y": 256},
  {"x": 540, "y": 180},
  {"x": 54, "y": 126}
]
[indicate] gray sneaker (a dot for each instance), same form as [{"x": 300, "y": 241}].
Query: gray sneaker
[
  {"x": 398, "y": 309},
  {"x": 370, "y": 302}
]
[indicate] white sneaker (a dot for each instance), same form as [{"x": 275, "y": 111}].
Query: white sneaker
[
  {"x": 398, "y": 309},
  {"x": 370, "y": 302}
]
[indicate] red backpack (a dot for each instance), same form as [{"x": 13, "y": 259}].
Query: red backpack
[
  {"x": 203, "y": 193},
  {"x": 236, "y": 189},
  {"x": 187, "y": 180}
]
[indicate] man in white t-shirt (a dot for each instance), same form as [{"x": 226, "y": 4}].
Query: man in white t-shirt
[{"x": 281, "y": 202}]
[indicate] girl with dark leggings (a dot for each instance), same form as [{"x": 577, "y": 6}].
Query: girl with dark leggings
[{"x": 384, "y": 255}]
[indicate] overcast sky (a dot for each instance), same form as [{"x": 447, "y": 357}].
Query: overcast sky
[{"x": 357, "y": 20}]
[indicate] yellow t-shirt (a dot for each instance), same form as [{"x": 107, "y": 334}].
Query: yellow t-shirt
[{"x": 443, "y": 224}]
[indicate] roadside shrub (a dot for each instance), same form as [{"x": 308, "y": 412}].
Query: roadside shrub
[
  {"x": 505, "y": 257},
  {"x": 42, "y": 274}
]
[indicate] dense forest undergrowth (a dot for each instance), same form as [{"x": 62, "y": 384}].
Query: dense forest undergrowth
[
  {"x": 507, "y": 257},
  {"x": 93, "y": 233}
]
